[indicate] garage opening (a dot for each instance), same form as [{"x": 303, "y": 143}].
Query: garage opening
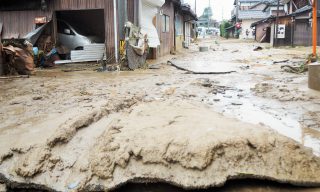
[{"x": 80, "y": 35}]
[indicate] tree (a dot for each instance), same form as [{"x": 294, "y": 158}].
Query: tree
[
  {"x": 224, "y": 25},
  {"x": 207, "y": 13}
]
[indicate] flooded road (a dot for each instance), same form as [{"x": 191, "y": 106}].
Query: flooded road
[
  {"x": 259, "y": 92},
  {"x": 62, "y": 120}
]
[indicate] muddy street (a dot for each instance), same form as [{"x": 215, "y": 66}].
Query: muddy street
[{"x": 80, "y": 130}]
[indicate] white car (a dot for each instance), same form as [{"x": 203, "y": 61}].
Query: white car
[{"x": 72, "y": 39}]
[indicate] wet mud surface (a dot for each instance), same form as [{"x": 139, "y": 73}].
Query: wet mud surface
[{"x": 61, "y": 122}]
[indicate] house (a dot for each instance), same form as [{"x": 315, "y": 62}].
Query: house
[
  {"x": 175, "y": 23},
  {"x": 294, "y": 26},
  {"x": 185, "y": 26},
  {"x": 247, "y": 12},
  {"x": 241, "y": 15},
  {"x": 96, "y": 17},
  {"x": 100, "y": 18}
]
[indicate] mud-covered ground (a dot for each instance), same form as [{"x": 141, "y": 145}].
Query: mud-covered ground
[{"x": 84, "y": 130}]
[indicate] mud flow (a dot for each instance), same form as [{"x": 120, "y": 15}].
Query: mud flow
[{"x": 222, "y": 118}]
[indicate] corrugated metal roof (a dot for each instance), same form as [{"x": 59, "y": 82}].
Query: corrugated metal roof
[{"x": 252, "y": 14}]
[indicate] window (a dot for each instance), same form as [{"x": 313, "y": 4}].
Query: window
[
  {"x": 165, "y": 23},
  {"x": 63, "y": 28}
]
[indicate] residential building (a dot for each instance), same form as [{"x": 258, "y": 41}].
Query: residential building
[
  {"x": 97, "y": 17},
  {"x": 246, "y": 12},
  {"x": 294, "y": 26},
  {"x": 167, "y": 23}
]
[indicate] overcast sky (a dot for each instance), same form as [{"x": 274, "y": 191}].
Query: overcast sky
[{"x": 221, "y": 8}]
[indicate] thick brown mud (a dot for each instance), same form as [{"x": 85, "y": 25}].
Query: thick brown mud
[{"x": 98, "y": 131}]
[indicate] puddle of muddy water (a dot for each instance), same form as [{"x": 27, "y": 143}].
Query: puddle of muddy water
[
  {"x": 265, "y": 112},
  {"x": 240, "y": 103}
]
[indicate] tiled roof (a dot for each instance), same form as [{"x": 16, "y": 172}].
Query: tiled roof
[
  {"x": 303, "y": 9},
  {"x": 253, "y": 14}
]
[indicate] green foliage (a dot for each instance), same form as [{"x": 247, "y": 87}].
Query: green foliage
[{"x": 224, "y": 25}]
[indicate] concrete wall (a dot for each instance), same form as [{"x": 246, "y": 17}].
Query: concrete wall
[{"x": 246, "y": 26}]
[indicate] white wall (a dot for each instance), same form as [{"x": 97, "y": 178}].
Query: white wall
[{"x": 246, "y": 25}]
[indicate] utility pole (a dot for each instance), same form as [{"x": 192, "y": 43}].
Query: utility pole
[
  {"x": 314, "y": 27},
  {"x": 222, "y": 15},
  {"x": 209, "y": 13},
  {"x": 277, "y": 24},
  {"x": 195, "y": 6},
  {"x": 237, "y": 11}
]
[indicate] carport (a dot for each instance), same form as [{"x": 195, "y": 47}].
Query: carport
[
  {"x": 89, "y": 23},
  {"x": 81, "y": 33}
]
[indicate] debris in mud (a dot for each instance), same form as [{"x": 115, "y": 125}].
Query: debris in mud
[
  {"x": 244, "y": 67},
  {"x": 295, "y": 69},
  {"x": 281, "y": 61},
  {"x": 301, "y": 67},
  {"x": 257, "y": 48},
  {"x": 17, "y": 57},
  {"x": 237, "y": 103},
  {"x": 208, "y": 72},
  {"x": 36, "y": 98},
  {"x": 214, "y": 87},
  {"x": 155, "y": 67},
  {"x": 311, "y": 120},
  {"x": 15, "y": 77},
  {"x": 136, "y": 47},
  {"x": 280, "y": 92},
  {"x": 203, "y": 49},
  {"x": 160, "y": 84}
]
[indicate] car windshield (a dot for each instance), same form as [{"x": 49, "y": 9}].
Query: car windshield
[{"x": 63, "y": 26}]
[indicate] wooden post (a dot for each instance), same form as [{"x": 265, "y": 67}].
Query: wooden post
[
  {"x": 314, "y": 27},
  {"x": 277, "y": 25},
  {"x": 54, "y": 27},
  {"x": 1, "y": 59}
]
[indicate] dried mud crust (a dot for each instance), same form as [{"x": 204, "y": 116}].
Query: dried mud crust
[
  {"x": 195, "y": 148},
  {"x": 23, "y": 169}
]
